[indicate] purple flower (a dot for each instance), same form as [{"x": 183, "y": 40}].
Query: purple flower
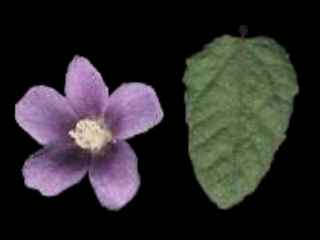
[{"x": 86, "y": 132}]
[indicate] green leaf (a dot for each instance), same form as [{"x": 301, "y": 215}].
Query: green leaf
[{"x": 239, "y": 100}]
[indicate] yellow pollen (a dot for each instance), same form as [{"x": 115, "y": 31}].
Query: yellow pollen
[{"x": 90, "y": 134}]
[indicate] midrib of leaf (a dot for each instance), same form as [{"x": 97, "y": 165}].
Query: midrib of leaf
[{"x": 236, "y": 166}]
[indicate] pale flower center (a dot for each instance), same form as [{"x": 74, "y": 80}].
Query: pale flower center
[{"x": 90, "y": 134}]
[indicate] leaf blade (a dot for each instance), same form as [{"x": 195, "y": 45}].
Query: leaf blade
[{"x": 237, "y": 114}]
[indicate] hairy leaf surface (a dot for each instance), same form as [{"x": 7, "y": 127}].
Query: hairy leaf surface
[{"x": 239, "y": 100}]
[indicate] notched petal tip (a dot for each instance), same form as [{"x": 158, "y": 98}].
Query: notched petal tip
[
  {"x": 31, "y": 91},
  {"x": 29, "y": 182},
  {"x": 159, "y": 110},
  {"x": 79, "y": 59},
  {"x": 55, "y": 168},
  {"x": 115, "y": 177},
  {"x": 44, "y": 114},
  {"x": 118, "y": 205},
  {"x": 133, "y": 109},
  {"x": 43, "y": 192},
  {"x": 85, "y": 87}
]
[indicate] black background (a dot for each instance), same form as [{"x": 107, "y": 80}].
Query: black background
[{"x": 150, "y": 50}]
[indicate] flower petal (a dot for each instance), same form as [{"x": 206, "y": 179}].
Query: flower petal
[
  {"x": 114, "y": 176},
  {"x": 132, "y": 109},
  {"x": 55, "y": 168},
  {"x": 85, "y": 87},
  {"x": 45, "y": 114}
]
